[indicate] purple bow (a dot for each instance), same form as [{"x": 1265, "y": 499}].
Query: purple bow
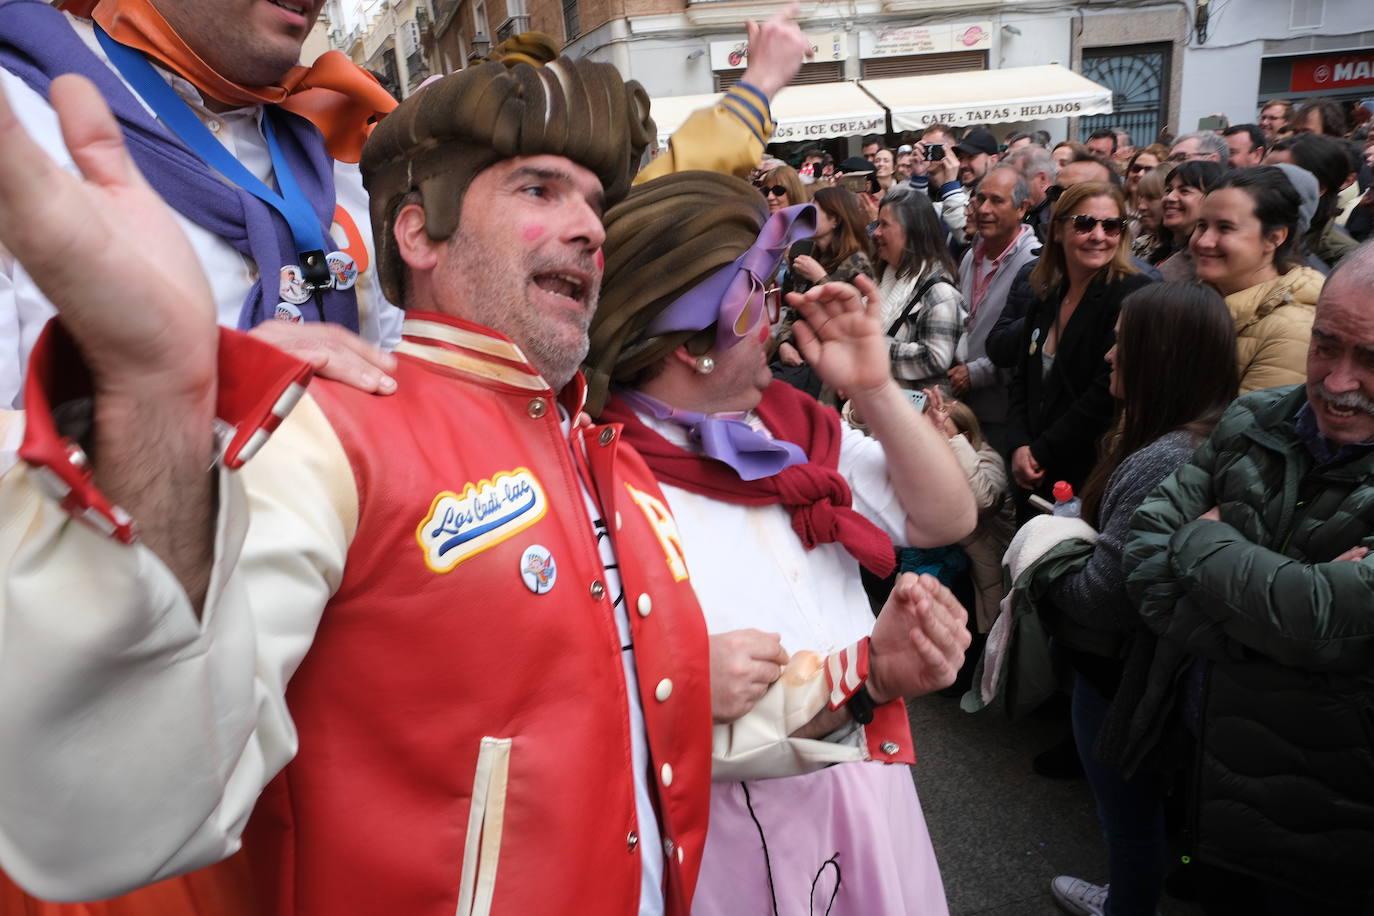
[
  {"x": 727, "y": 439},
  {"x": 733, "y": 297}
]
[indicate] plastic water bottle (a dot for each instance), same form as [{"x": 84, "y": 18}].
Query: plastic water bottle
[{"x": 1065, "y": 503}]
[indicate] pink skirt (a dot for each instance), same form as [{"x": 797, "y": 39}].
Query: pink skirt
[{"x": 853, "y": 834}]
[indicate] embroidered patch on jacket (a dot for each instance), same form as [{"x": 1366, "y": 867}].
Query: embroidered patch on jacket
[
  {"x": 488, "y": 512},
  {"x": 665, "y": 528}
]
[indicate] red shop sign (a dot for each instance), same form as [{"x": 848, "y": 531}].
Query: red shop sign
[{"x": 1333, "y": 71}]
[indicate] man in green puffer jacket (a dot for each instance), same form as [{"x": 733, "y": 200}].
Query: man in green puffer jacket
[{"x": 1252, "y": 563}]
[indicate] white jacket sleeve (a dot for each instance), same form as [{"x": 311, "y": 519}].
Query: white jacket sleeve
[
  {"x": 134, "y": 737},
  {"x": 759, "y": 743},
  {"x": 952, "y": 208}
]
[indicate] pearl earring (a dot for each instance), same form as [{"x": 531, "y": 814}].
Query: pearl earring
[{"x": 705, "y": 365}]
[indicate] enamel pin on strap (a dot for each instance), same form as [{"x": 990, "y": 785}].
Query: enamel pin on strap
[{"x": 316, "y": 270}]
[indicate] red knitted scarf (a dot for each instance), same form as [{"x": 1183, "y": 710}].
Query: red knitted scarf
[{"x": 817, "y": 496}]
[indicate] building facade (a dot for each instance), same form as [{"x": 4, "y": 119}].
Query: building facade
[{"x": 1167, "y": 64}]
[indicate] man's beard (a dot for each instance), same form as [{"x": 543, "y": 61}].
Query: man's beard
[{"x": 497, "y": 292}]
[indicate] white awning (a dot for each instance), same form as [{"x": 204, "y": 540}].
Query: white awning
[
  {"x": 989, "y": 96},
  {"x": 670, "y": 111},
  {"x": 808, "y": 112}
]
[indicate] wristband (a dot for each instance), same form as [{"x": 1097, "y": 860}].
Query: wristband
[{"x": 861, "y": 705}]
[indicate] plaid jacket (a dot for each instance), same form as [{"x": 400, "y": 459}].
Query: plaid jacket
[{"x": 923, "y": 343}]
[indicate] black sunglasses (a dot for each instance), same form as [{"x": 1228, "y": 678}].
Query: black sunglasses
[
  {"x": 776, "y": 190},
  {"x": 1083, "y": 224}
]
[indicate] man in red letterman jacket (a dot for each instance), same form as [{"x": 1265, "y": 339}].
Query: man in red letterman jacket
[
  {"x": 430, "y": 653},
  {"x": 479, "y": 705}
]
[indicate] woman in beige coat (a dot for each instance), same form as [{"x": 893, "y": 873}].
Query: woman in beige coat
[{"x": 1246, "y": 246}]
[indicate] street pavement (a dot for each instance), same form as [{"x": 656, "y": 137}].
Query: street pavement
[{"x": 1001, "y": 832}]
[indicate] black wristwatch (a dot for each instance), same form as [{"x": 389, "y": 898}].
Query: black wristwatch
[{"x": 860, "y": 705}]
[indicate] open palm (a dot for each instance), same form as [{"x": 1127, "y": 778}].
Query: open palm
[
  {"x": 104, "y": 248},
  {"x": 840, "y": 334}
]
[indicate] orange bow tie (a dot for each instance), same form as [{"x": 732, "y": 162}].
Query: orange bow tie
[{"x": 336, "y": 95}]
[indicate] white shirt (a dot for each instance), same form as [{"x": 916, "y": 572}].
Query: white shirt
[
  {"x": 24, "y": 310},
  {"x": 651, "y": 838},
  {"x": 750, "y": 569}
]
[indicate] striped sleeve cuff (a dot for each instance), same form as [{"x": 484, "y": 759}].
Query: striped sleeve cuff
[
  {"x": 751, "y": 107},
  {"x": 258, "y": 387},
  {"x": 845, "y": 671}
]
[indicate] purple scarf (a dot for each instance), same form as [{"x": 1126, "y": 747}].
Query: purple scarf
[{"x": 37, "y": 44}]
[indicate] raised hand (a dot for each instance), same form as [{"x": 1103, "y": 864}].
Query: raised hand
[
  {"x": 109, "y": 254},
  {"x": 945, "y": 170},
  {"x": 106, "y": 250},
  {"x": 743, "y": 665},
  {"x": 808, "y": 267},
  {"x": 919, "y": 640},
  {"x": 788, "y": 355},
  {"x": 937, "y": 410},
  {"x": 777, "y": 49},
  {"x": 840, "y": 335}
]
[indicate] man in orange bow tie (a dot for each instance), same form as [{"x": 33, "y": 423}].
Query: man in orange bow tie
[{"x": 218, "y": 77}]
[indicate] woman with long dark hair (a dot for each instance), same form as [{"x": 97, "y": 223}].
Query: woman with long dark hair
[
  {"x": 1060, "y": 404},
  {"x": 1184, "y": 190},
  {"x": 1246, "y": 247},
  {"x": 1328, "y": 163},
  {"x": 838, "y": 252},
  {"x": 1168, "y": 406},
  {"x": 923, "y": 310}
]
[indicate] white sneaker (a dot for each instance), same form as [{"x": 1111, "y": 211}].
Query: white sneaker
[{"x": 1076, "y": 896}]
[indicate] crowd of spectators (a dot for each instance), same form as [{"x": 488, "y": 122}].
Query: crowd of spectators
[{"x": 1110, "y": 303}]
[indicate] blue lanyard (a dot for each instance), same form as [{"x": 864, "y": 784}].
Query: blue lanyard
[{"x": 291, "y": 203}]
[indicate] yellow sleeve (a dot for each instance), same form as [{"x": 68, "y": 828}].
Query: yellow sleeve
[{"x": 728, "y": 137}]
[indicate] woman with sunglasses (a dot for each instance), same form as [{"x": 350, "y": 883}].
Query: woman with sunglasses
[
  {"x": 1247, "y": 247},
  {"x": 1183, "y": 193},
  {"x": 923, "y": 310},
  {"x": 1060, "y": 400},
  {"x": 1141, "y": 162},
  {"x": 782, "y": 187},
  {"x": 1165, "y": 415}
]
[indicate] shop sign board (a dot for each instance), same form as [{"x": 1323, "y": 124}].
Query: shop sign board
[
  {"x": 734, "y": 55},
  {"x": 838, "y": 127},
  {"x": 925, "y": 39},
  {"x": 1333, "y": 71}
]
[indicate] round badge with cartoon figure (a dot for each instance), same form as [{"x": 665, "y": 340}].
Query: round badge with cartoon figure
[{"x": 537, "y": 569}]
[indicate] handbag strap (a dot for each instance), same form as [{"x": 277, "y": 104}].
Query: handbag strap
[{"x": 914, "y": 301}]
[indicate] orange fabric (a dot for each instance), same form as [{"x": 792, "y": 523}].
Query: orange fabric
[
  {"x": 335, "y": 94},
  {"x": 224, "y": 889}
]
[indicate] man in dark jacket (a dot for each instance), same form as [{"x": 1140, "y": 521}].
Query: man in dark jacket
[{"x": 1252, "y": 563}]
